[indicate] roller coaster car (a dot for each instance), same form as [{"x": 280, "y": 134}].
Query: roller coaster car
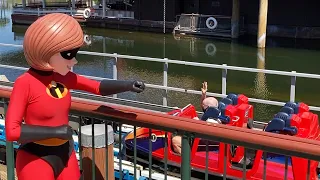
[
  {"x": 295, "y": 119},
  {"x": 233, "y": 110}
]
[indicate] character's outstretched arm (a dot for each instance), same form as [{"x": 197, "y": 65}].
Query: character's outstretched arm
[
  {"x": 105, "y": 87},
  {"x": 16, "y": 131},
  {"x": 108, "y": 87}
]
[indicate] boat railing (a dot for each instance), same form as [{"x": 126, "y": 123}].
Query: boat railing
[
  {"x": 116, "y": 115},
  {"x": 201, "y": 23},
  {"x": 110, "y": 13},
  {"x": 55, "y": 4},
  {"x": 41, "y": 11},
  {"x": 71, "y": 11}
]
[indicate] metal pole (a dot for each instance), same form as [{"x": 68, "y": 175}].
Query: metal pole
[
  {"x": 103, "y": 8},
  {"x": 165, "y": 83},
  {"x": 73, "y": 4},
  {"x": 224, "y": 80},
  {"x": 115, "y": 71},
  {"x": 185, "y": 158},
  {"x": 24, "y": 3},
  {"x": 71, "y": 11},
  {"x": 104, "y": 51},
  {"x": 43, "y": 4},
  {"x": 165, "y": 75},
  {"x": 9, "y": 151},
  {"x": 164, "y": 16},
  {"x": 293, "y": 87}
]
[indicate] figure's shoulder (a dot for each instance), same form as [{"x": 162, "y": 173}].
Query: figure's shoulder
[
  {"x": 73, "y": 78},
  {"x": 68, "y": 80},
  {"x": 71, "y": 74},
  {"x": 23, "y": 79}
]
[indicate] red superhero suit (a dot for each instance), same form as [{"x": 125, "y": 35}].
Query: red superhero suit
[{"x": 41, "y": 98}]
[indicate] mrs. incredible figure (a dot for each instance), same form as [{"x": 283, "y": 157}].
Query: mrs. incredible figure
[{"x": 41, "y": 97}]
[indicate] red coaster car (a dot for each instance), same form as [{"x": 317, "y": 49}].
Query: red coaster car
[{"x": 293, "y": 119}]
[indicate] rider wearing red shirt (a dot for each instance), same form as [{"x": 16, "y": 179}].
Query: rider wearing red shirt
[{"x": 41, "y": 97}]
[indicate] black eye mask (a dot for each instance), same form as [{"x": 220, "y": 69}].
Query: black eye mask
[{"x": 69, "y": 54}]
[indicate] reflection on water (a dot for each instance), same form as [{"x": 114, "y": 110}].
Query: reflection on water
[
  {"x": 4, "y": 20},
  {"x": 260, "y": 85},
  {"x": 256, "y": 85}
]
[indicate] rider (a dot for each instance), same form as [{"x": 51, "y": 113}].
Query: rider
[{"x": 205, "y": 103}]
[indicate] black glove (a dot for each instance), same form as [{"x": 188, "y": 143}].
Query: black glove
[
  {"x": 31, "y": 133},
  {"x": 109, "y": 87},
  {"x": 138, "y": 86}
]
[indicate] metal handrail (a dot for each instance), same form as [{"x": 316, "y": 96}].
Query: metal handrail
[
  {"x": 216, "y": 66},
  {"x": 224, "y": 68},
  {"x": 270, "y": 142}
]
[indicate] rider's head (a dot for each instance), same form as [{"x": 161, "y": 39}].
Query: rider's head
[{"x": 209, "y": 101}]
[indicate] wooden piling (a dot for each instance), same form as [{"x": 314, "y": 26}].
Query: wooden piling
[
  {"x": 262, "y": 27},
  {"x": 235, "y": 19},
  {"x": 99, "y": 150}
]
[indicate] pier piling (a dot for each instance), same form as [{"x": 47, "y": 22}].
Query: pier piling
[
  {"x": 95, "y": 151},
  {"x": 262, "y": 26},
  {"x": 235, "y": 19}
]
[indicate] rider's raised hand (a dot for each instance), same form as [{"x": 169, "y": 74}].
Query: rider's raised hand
[{"x": 204, "y": 88}]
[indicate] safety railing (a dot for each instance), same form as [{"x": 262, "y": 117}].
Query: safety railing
[
  {"x": 250, "y": 139},
  {"x": 192, "y": 158},
  {"x": 293, "y": 75}
]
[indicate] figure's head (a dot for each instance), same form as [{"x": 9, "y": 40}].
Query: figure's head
[
  {"x": 209, "y": 101},
  {"x": 52, "y": 41}
]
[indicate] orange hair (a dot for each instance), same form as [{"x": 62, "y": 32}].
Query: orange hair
[{"x": 48, "y": 35}]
